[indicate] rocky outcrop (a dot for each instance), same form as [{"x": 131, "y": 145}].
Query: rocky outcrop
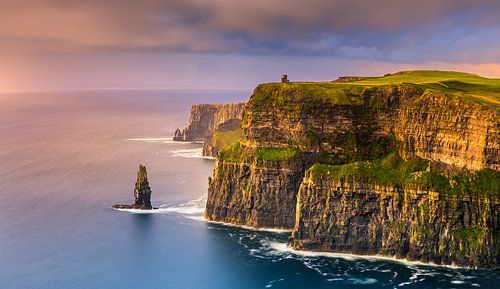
[
  {"x": 224, "y": 135},
  {"x": 437, "y": 127},
  {"x": 343, "y": 215},
  {"x": 142, "y": 192},
  {"x": 235, "y": 193},
  {"x": 286, "y": 128},
  {"x": 205, "y": 118}
]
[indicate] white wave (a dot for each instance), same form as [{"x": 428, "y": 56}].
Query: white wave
[
  {"x": 263, "y": 229},
  {"x": 154, "y": 140},
  {"x": 284, "y": 248},
  {"x": 144, "y": 212},
  {"x": 194, "y": 207},
  {"x": 191, "y": 153},
  {"x": 362, "y": 281},
  {"x": 162, "y": 140}
]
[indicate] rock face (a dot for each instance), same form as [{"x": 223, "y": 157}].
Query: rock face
[
  {"x": 224, "y": 135},
  {"x": 205, "y": 118},
  {"x": 365, "y": 218},
  {"x": 286, "y": 128},
  {"x": 426, "y": 124},
  {"x": 235, "y": 193},
  {"x": 142, "y": 192}
]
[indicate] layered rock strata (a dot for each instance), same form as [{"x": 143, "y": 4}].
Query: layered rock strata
[
  {"x": 235, "y": 193},
  {"x": 205, "y": 118},
  {"x": 286, "y": 128},
  {"x": 343, "y": 215}
]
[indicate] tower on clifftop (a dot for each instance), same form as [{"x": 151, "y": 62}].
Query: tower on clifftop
[{"x": 284, "y": 78}]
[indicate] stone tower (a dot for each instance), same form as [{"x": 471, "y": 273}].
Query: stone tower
[{"x": 284, "y": 79}]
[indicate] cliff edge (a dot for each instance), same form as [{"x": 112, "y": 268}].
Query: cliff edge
[{"x": 403, "y": 165}]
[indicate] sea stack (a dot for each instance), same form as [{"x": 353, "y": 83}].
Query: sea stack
[{"x": 142, "y": 192}]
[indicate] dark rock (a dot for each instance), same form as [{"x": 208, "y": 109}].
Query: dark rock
[
  {"x": 365, "y": 218},
  {"x": 142, "y": 192},
  {"x": 180, "y": 135}
]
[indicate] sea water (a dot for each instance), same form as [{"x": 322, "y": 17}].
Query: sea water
[{"x": 66, "y": 157}]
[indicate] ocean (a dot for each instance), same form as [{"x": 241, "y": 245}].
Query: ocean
[{"x": 66, "y": 157}]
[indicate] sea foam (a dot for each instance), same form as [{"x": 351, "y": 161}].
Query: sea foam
[
  {"x": 284, "y": 248},
  {"x": 162, "y": 140},
  {"x": 190, "y": 153}
]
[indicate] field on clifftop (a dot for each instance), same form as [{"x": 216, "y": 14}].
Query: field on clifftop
[{"x": 485, "y": 91}]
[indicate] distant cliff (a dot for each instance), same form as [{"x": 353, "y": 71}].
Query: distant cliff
[
  {"x": 205, "y": 118},
  {"x": 406, "y": 165}
]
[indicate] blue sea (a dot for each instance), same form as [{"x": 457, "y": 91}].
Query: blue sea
[{"x": 66, "y": 157}]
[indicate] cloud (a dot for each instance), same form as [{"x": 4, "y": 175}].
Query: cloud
[
  {"x": 342, "y": 28},
  {"x": 127, "y": 42}
]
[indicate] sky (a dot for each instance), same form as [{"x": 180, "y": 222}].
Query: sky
[{"x": 74, "y": 44}]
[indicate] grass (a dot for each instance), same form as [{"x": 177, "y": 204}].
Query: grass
[
  {"x": 232, "y": 153},
  {"x": 415, "y": 173},
  {"x": 419, "y": 77},
  {"x": 485, "y": 91},
  {"x": 302, "y": 93},
  {"x": 277, "y": 154},
  {"x": 482, "y": 90},
  {"x": 475, "y": 235},
  {"x": 226, "y": 134},
  {"x": 238, "y": 153}
]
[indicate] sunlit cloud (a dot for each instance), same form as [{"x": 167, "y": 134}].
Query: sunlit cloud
[{"x": 56, "y": 39}]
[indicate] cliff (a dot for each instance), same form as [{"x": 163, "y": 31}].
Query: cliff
[
  {"x": 205, "y": 118},
  {"x": 448, "y": 121},
  {"x": 347, "y": 209},
  {"x": 255, "y": 190}
]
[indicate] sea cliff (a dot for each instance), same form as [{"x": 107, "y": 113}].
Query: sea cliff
[
  {"x": 404, "y": 165},
  {"x": 351, "y": 212},
  {"x": 205, "y": 118}
]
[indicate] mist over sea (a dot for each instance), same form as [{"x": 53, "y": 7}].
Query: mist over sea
[{"x": 66, "y": 157}]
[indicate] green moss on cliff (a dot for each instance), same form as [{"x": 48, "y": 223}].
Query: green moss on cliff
[
  {"x": 232, "y": 153},
  {"x": 277, "y": 154},
  {"x": 237, "y": 153},
  {"x": 226, "y": 134},
  {"x": 223, "y": 139},
  {"x": 305, "y": 93},
  {"x": 475, "y": 236},
  {"x": 414, "y": 173}
]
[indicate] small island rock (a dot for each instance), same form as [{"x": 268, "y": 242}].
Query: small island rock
[{"x": 142, "y": 192}]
